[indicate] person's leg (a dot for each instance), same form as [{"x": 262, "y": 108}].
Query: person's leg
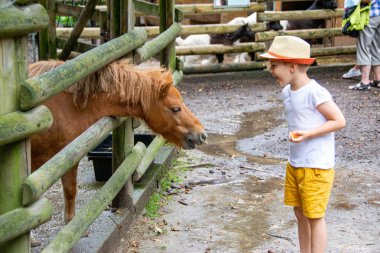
[
  {"x": 318, "y": 235},
  {"x": 365, "y": 69},
  {"x": 304, "y": 231},
  {"x": 363, "y": 53},
  {"x": 376, "y": 70},
  {"x": 375, "y": 51}
]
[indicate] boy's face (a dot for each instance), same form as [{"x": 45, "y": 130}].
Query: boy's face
[{"x": 282, "y": 71}]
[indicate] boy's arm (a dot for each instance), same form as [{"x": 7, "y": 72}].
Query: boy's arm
[{"x": 335, "y": 121}]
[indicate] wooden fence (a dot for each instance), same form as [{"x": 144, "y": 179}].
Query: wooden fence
[
  {"x": 22, "y": 207},
  {"x": 261, "y": 39}
]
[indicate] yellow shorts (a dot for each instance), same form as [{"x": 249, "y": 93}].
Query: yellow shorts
[{"x": 308, "y": 189}]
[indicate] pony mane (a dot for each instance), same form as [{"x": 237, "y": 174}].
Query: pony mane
[{"x": 120, "y": 78}]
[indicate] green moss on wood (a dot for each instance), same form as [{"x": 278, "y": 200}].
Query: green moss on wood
[
  {"x": 21, "y": 21},
  {"x": 23, "y": 219},
  {"x": 157, "y": 44},
  {"x": 19, "y": 125},
  {"x": 44, "y": 177},
  {"x": 73, "y": 231}
]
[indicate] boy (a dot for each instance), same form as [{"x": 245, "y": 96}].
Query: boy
[{"x": 312, "y": 119}]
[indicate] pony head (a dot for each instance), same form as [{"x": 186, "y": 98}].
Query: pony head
[
  {"x": 148, "y": 94},
  {"x": 169, "y": 116}
]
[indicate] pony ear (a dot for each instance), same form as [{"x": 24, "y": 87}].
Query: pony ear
[{"x": 166, "y": 84}]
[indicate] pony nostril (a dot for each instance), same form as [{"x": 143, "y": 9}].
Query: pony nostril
[
  {"x": 193, "y": 139},
  {"x": 203, "y": 137}
]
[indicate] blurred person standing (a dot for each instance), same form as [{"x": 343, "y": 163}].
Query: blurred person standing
[{"x": 368, "y": 49}]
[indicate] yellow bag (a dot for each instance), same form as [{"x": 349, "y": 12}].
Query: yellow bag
[{"x": 354, "y": 19}]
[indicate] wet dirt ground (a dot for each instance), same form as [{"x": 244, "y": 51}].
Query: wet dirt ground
[
  {"x": 234, "y": 203},
  {"x": 235, "y": 200}
]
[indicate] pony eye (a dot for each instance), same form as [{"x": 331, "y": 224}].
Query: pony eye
[{"x": 175, "y": 109}]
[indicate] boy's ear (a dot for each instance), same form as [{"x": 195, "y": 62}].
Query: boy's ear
[{"x": 293, "y": 66}]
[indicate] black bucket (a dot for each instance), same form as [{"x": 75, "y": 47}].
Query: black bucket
[{"x": 101, "y": 156}]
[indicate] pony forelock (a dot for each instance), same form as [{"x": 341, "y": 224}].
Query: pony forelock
[{"x": 119, "y": 78}]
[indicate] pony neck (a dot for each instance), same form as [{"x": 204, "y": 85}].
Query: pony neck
[{"x": 110, "y": 105}]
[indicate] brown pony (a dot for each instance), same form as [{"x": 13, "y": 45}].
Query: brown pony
[{"x": 118, "y": 89}]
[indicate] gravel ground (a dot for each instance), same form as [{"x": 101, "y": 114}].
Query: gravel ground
[{"x": 235, "y": 200}]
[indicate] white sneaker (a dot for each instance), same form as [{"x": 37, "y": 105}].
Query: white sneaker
[{"x": 353, "y": 72}]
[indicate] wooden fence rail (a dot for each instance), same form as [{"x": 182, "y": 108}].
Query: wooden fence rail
[
  {"x": 45, "y": 176},
  {"x": 21, "y": 220},
  {"x": 18, "y": 125},
  {"x": 72, "y": 232},
  {"x": 304, "y": 34},
  {"x": 219, "y": 49},
  {"x": 21, "y": 21},
  {"x": 156, "y": 45},
  {"x": 153, "y": 31},
  {"x": 298, "y": 15}
]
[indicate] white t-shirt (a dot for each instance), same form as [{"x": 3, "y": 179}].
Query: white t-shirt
[{"x": 302, "y": 115}]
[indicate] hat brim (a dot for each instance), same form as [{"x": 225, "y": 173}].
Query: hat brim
[{"x": 287, "y": 59}]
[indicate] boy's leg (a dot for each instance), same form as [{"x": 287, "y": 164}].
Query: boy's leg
[
  {"x": 293, "y": 198},
  {"x": 315, "y": 192},
  {"x": 304, "y": 231},
  {"x": 318, "y": 235}
]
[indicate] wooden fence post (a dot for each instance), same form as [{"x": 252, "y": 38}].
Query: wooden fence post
[
  {"x": 47, "y": 38},
  {"x": 123, "y": 136},
  {"x": 14, "y": 157},
  {"x": 166, "y": 20}
]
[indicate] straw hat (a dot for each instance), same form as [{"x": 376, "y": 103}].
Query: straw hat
[{"x": 289, "y": 49}]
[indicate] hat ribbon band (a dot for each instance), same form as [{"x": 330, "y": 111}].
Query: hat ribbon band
[{"x": 278, "y": 55}]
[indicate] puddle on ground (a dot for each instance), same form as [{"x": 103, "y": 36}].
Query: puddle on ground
[
  {"x": 249, "y": 221},
  {"x": 252, "y": 124},
  {"x": 244, "y": 214}
]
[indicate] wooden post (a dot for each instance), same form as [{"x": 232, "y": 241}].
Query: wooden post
[
  {"x": 114, "y": 19},
  {"x": 14, "y": 157},
  {"x": 122, "y": 144},
  {"x": 123, "y": 136},
  {"x": 43, "y": 41},
  {"x": 104, "y": 36},
  {"x": 166, "y": 20},
  {"x": 51, "y": 35}
]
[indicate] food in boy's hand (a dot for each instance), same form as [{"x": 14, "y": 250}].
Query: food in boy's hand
[{"x": 294, "y": 134}]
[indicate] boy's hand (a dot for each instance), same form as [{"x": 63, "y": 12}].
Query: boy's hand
[{"x": 297, "y": 136}]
